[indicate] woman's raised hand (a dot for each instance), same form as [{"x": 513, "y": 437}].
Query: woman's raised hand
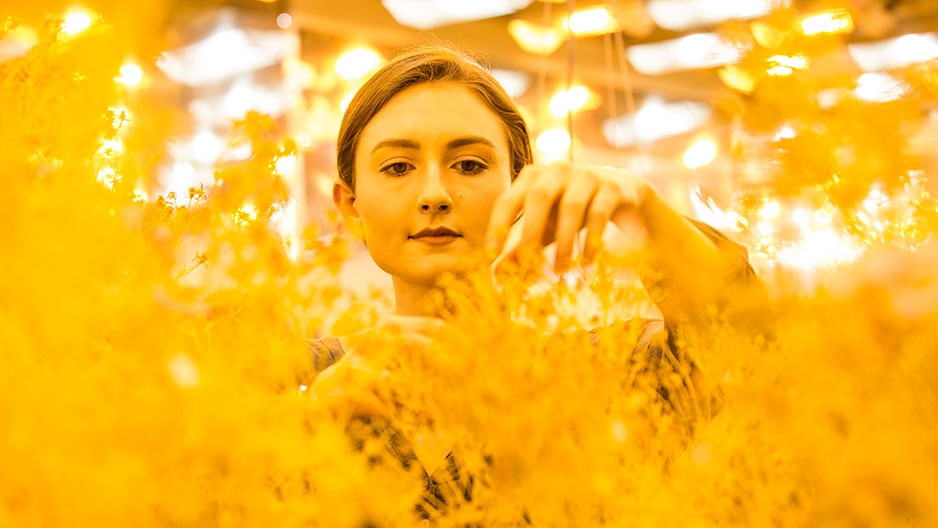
[
  {"x": 561, "y": 199},
  {"x": 348, "y": 387}
]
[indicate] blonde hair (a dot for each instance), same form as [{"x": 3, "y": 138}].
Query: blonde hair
[{"x": 423, "y": 65}]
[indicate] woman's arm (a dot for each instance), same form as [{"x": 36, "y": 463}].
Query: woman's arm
[{"x": 693, "y": 270}]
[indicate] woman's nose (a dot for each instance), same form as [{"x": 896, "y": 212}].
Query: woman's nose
[
  {"x": 435, "y": 207},
  {"x": 434, "y": 197}
]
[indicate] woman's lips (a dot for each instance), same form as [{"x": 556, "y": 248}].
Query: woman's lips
[
  {"x": 435, "y": 236},
  {"x": 436, "y": 240}
]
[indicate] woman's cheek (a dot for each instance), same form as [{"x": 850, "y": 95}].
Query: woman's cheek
[
  {"x": 386, "y": 220},
  {"x": 487, "y": 202}
]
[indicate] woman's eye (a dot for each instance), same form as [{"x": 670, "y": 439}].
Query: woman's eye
[
  {"x": 397, "y": 169},
  {"x": 470, "y": 166}
]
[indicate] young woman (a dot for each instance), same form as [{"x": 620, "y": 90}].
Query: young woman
[{"x": 435, "y": 168}]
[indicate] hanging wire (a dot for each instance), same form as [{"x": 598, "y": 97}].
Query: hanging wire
[
  {"x": 611, "y": 84},
  {"x": 639, "y": 149},
  {"x": 571, "y": 59},
  {"x": 542, "y": 73}
]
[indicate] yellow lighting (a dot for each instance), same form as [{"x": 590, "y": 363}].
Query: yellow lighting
[
  {"x": 286, "y": 221},
  {"x": 819, "y": 248},
  {"x": 700, "y": 153},
  {"x": 76, "y": 22},
  {"x": 183, "y": 371},
  {"x": 707, "y": 210},
  {"x": 347, "y": 100},
  {"x": 111, "y": 147},
  {"x": 245, "y": 214},
  {"x": 120, "y": 116},
  {"x": 591, "y": 21},
  {"x": 864, "y": 218},
  {"x": 514, "y": 82},
  {"x": 690, "y": 52},
  {"x": 131, "y": 75},
  {"x": 569, "y": 101},
  {"x": 875, "y": 200},
  {"x": 680, "y": 15},
  {"x": 779, "y": 71},
  {"x": 879, "y": 87},
  {"x": 553, "y": 142},
  {"x": 538, "y": 40},
  {"x": 207, "y": 147},
  {"x": 737, "y": 78},
  {"x": 834, "y": 21},
  {"x": 797, "y": 62},
  {"x": 284, "y": 20},
  {"x": 285, "y": 166},
  {"x": 323, "y": 185},
  {"x": 304, "y": 140},
  {"x": 17, "y": 41},
  {"x": 298, "y": 73},
  {"x": 770, "y": 210},
  {"x": 801, "y": 217},
  {"x": 784, "y": 132},
  {"x": 107, "y": 176},
  {"x": 766, "y": 35},
  {"x": 355, "y": 64}
]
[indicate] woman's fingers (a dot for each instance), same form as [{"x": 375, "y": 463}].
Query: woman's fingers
[
  {"x": 605, "y": 203},
  {"x": 506, "y": 209},
  {"x": 572, "y": 216},
  {"x": 537, "y": 192},
  {"x": 539, "y": 207},
  {"x": 558, "y": 201}
]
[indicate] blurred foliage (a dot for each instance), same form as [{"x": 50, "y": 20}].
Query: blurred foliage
[
  {"x": 808, "y": 130},
  {"x": 154, "y": 363}
]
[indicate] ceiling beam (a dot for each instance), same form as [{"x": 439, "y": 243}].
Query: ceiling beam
[{"x": 369, "y": 22}]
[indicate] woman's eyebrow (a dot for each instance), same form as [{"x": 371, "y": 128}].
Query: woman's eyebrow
[
  {"x": 469, "y": 140},
  {"x": 398, "y": 143}
]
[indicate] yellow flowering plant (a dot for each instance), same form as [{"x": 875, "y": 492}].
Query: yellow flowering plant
[{"x": 155, "y": 367}]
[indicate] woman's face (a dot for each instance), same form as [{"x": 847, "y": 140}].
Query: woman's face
[{"x": 428, "y": 167}]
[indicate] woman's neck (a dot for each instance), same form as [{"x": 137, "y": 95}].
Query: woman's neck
[{"x": 416, "y": 299}]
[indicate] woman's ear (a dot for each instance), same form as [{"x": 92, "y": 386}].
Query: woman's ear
[{"x": 344, "y": 198}]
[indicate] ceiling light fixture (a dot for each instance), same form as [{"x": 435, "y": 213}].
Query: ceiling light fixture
[
  {"x": 572, "y": 100},
  {"x": 590, "y": 21},
  {"x": 428, "y": 14},
  {"x": 680, "y": 15},
  {"x": 514, "y": 82},
  {"x": 701, "y": 152},
  {"x": 17, "y": 42},
  {"x": 655, "y": 120},
  {"x": 76, "y": 22},
  {"x": 879, "y": 88},
  {"x": 895, "y": 53},
  {"x": 553, "y": 144},
  {"x": 356, "y": 63},
  {"x": 701, "y": 50},
  {"x": 130, "y": 75},
  {"x": 532, "y": 38},
  {"x": 224, "y": 54},
  {"x": 833, "y": 21}
]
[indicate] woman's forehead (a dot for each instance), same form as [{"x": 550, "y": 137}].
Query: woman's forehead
[{"x": 434, "y": 111}]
